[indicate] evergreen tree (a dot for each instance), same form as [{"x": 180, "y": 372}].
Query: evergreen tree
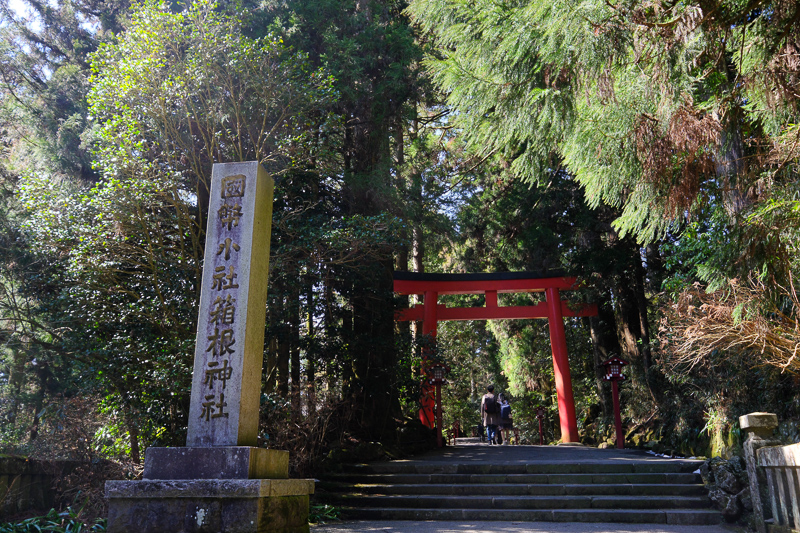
[{"x": 647, "y": 105}]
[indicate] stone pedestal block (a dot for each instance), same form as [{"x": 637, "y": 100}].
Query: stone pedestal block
[
  {"x": 209, "y": 506},
  {"x": 224, "y": 462},
  {"x": 759, "y": 427},
  {"x": 759, "y": 424}
]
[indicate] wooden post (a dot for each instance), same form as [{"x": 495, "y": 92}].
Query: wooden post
[
  {"x": 617, "y": 415},
  {"x": 429, "y": 324},
  {"x": 439, "y": 414},
  {"x": 558, "y": 342},
  {"x": 541, "y": 432}
]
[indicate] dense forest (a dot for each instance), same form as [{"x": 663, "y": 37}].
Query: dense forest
[{"x": 649, "y": 148}]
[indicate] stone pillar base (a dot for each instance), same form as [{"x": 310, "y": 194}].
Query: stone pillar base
[
  {"x": 220, "y": 462},
  {"x": 209, "y": 506}
]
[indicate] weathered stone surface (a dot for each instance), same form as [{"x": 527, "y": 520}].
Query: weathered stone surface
[
  {"x": 779, "y": 456},
  {"x": 745, "y": 499},
  {"x": 692, "y": 518},
  {"x": 226, "y": 382},
  {"x": 208, "y": 488},
  {"x": 727, "y": 480},
  {"x": 761, "y": 424},
  {"x": 738, "y": 464},
  {"x": 224, "y": 462},
  {"x": 706, "y": 473},
  {"x": 263, "y": 515},
  {"x": 28, "y": 483},
  {"x": 727, "y": 503},
  {"x": 209, "y": 506}
]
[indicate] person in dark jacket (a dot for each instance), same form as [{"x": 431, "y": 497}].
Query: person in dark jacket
[
  {"x": 506, "y": 424},
  {"x": 490, "y": 412}
]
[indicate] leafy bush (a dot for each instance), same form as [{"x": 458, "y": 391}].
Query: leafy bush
[
  {"x": 319, "y": 514},
  {"x": 68, "y": 521}
]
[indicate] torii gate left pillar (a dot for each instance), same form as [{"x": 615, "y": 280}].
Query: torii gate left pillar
[
  {"x": 430, "y": 322},
  {"x": 553, "y": 309}
]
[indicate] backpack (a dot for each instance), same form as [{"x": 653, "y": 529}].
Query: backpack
[
  {"x": 490, "y": 404},
  {"x": 505, "y": 411}
]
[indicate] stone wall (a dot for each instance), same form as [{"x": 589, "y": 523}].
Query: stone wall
[{"x": 28, "y": 484}]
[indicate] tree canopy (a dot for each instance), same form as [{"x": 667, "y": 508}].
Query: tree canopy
[{"x": 649, "y": 148}]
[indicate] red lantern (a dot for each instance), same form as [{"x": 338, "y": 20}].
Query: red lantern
[
  {"x": 614, "y": 369},
  {"x": 436, "y": 377},
  {"x": 437, "y": 373}
]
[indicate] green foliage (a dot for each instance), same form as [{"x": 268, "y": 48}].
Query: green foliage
[
  {"x": 322, "y": 513},
  {"x": 67, "y": 521},
  {"x": 570, "y": 128},
  {"x": 635, "y": 100},
  {"x": 180, "y": 91},
  {"x": 119, "y": 299}
]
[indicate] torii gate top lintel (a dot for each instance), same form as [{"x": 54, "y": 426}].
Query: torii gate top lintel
[
  {"x": 480, "y": 283},
  {"x": 490, "y": 284}
]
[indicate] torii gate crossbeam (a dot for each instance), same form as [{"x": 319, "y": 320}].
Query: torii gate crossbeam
[{"x": 430, "y": 286}]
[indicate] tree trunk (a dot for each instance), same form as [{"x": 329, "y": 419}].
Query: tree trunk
[
  {"x": 374, "y": 351},
  {"x": 604, "y": 345},
  {"x": 16, "y": 381},
  {"x": 133, "y": 434},
  {"x": 284, "y": 338},
  {"x": 271, "y": 374},
  {"x": 330, "y": 334},
  {"x": 129, "y": 420},
  {"x": 644, "y": 325},
  {"x": 311, "y": 378},
  {"x": 629, "y": 323},
  {"x": 294, "y": 325}
]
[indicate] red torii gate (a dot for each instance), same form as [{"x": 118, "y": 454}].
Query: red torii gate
[{"x": 430, "y": 286}]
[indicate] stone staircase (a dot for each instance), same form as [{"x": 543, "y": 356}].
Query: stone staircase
[{"x": 619, "y": 491}]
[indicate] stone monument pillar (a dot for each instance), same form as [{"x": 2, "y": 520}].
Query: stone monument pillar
[
  {"x": 759, "y": 428},
  {"x": 221, "y": 482}
]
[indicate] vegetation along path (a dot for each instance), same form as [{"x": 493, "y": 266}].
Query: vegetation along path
[{"x": 568, "y": 484}]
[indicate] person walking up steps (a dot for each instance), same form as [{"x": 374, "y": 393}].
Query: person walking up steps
[
  {"x": 490, "y": 412},
  {"x": 506, "y": 424}
]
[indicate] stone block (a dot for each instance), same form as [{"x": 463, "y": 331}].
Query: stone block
[
  {"x": 10, "y": 466},
  {"x": 669, "y": 466},
  {"x": 620, "y": 516},
  {"x": 695, "y": 517},
  {"x": 760, "y": 424},
  {"x": 225, "y": 462},
  {"x": 779, "y": 456},
  {"x": 291, "y": 487},
  {"x": 208, "y": 506},
  {"x": 7, "y": 502},
  {"x": 25, "y": 488},
  {"x": 606, "y": 468}
]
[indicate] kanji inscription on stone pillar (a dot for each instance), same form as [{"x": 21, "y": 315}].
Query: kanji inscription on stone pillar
[{"x": 226, "y": 383}]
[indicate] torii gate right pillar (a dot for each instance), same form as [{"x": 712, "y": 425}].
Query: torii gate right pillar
[{"x": 558, "y": 342}]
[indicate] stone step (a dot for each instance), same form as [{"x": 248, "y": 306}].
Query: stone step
[
  {"x": 691, "y": 517},
  {"x": 551, "y": 478},
  {"x": 599, "y": 489},
  {"x": 622, "y": 490},
  {"x": 671, "y": 466},
  {"x": 523, "y": 502}
]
